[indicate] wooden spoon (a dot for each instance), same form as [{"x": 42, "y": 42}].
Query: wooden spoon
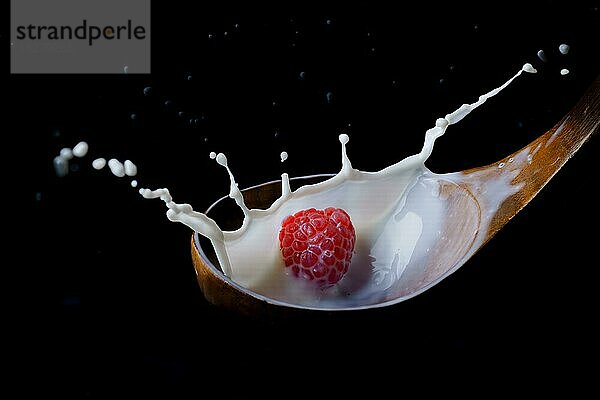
[{"x": 474, "y": 216}]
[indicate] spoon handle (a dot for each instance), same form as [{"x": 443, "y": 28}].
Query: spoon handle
[{"x": 529, "y": 169}]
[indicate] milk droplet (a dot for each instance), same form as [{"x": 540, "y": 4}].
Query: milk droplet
[
  {"x": 564, "y": 71},
  {"x": 564, "y": 48},
  {"x": 542, "y": 55},
  {"x": 221, "y": 159},
  {"x": 99, "y": 163},
  {"x": 61, "y": 166},
  {"x": 302, "y": 75},
  {"x": 125, "y": 69},
  {"x": 283, "y": 156},
  {"x": 134, "y": 183},
  {"x": 188, "y": 77},
  {"x": 529, "y": 68},
  {"x": 329, "y": 97},
  {"x": 212, "y": 155},
  {"x": 130, "y": 168},
  {"x": 116, "y": 167},
  {"x": 328, "y": 22},
  {"x": 66, "y": 153},
  {"x": 133, "y": 116},
  {"x": 147, "y": 91},
  {"x": 80, "y": 149}
]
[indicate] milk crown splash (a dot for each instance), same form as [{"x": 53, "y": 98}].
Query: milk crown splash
[{"x": 237, "y": 250}]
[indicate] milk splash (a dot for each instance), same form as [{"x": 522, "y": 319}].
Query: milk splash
[{"x": 398, "y": 213}]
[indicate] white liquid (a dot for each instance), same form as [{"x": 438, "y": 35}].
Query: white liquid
[
  {"x": 564, "y": 71},
  {"x": 80, "y": 149},
  {"x": 66, "y": 154},
  {"x": 283, "y": 156},
  {"x": 116, "y": 167},
  {"x": 134, "y": 183},
  {"x": 399, "y": 215},
  {"x": 61, "y": 162},
  {"x": 564, "y": 48},
  {"x": 61, "y": 166},
  {"x": 130, "y": 168},
  {"x": 542, "y": 55},
  {"x": 99, "y": 163}
]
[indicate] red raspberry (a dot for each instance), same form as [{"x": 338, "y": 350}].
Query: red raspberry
[{"x": 317, "y": 245}]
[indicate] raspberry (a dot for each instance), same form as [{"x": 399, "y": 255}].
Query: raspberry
[{"x": 317, "y": 245}]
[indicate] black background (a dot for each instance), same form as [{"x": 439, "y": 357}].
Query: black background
[{"x": 110, "y": 302}]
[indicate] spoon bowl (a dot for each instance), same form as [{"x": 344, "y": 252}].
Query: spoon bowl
[{"x": 473, "y": 213}]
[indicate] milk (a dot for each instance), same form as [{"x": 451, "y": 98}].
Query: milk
[{"x": 399, "y": 214}]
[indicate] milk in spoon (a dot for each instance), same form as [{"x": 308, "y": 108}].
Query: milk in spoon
[{"x": 398, "y": 214}]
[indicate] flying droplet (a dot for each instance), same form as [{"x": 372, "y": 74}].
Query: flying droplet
[
  {"x": 564, "y": 71},
  {"x": 212, "y": 155},
  {"x": 61, "y": 166},
  {"x": 66, "y": 153},
  {"x": 283, "y": 156},
  {"x": 188, "y": 77},
  {"x": 329, "y": 97},
  {"x": 302, "y": 75},
  {"x": 134, "y": 183},
  {"x": 116, "y": 167},
  {"x": 133, "y": 116},
  {"x": 564, "y": 48},
  {"x": 147, "y": 91},
  {"x": 80, "y": 149},
  {"x": 130, "y": 168},
  {"x": 542, "y": 55},
  {"x": 99, "y": 163}
]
